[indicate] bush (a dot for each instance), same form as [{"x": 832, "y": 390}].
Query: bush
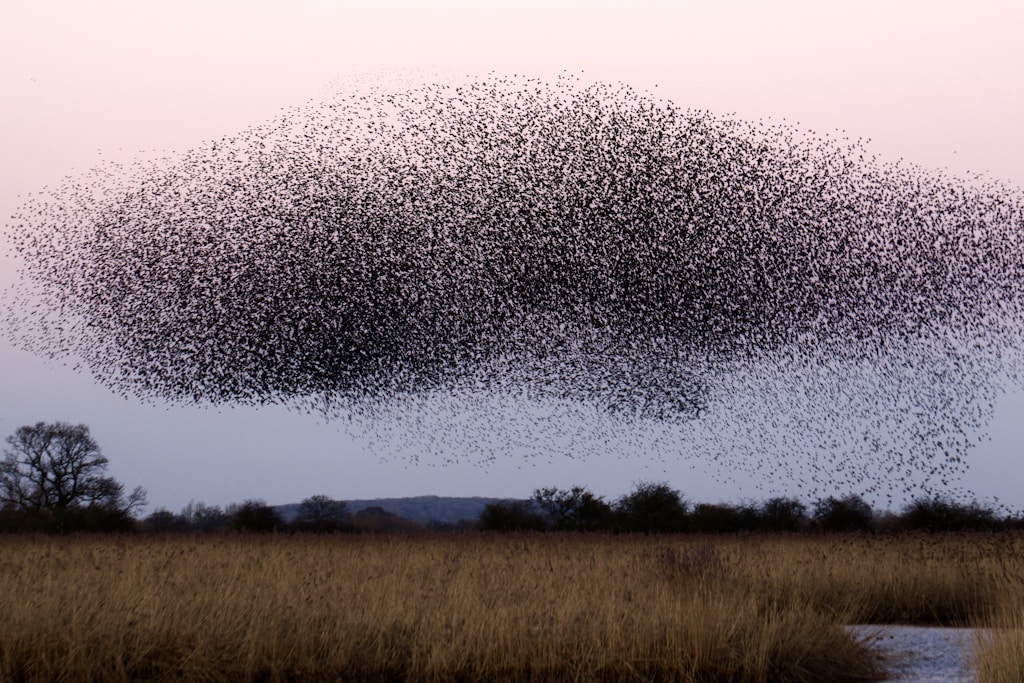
[
  {"x": 652, "y": 508},
  {"x": 718, "y": 519},
  {"x": 163, "y": 521},
  {"x": 576, "y": 509},
  {"x": 256, "y": 516},
  {"x": 843, "y": 514},
  {"x": 104, "y": 518},
  {"x": 783, "y": 514},
  {"x": 939, "y": 514},
  {"x": 511, "y": 515}
]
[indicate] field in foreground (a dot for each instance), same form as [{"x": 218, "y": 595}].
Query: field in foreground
[{"x": 495, "y": 608}]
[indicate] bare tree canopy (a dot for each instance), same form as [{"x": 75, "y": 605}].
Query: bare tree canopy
[
  {"x": 322, "y": 513},
  {"x": 51, "y": 468}
]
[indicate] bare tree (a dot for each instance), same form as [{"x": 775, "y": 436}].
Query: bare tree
[
  {"x": 54, "y": 469},
  {"x": 202, "y": 517},
  {"x": 322, "y": 513}
]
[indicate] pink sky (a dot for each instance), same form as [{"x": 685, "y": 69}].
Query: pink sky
[{"x": 937, "y": 83}]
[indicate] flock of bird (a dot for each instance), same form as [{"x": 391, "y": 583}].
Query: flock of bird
[{"x": 562, "y": 265}]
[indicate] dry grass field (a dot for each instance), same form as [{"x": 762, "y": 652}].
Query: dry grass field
[
  {"x": 555, "y": 607},
  {"x": 1002, "y": 659}
]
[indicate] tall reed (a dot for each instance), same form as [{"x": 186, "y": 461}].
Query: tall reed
[
  {"x": 461, "y": 608},
  {"x": 999, "y": 653}
]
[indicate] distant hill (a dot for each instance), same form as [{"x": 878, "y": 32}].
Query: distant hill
[{"x": 418, "y": 508}]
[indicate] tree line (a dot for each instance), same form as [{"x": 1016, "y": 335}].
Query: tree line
[
  {"x": 653, "y": 508},
  {"x": 650, "y": 508},
  {"x": 53, "y": 479},
  {"x": 316, "y": 514}
]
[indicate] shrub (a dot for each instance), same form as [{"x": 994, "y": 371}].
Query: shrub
[
  {"x": 721, "y": 518},
  {"x": 511, "y": 515},
  {"x": 163, "y": 520},
  {"x": 783, "y": 514},
  {"x": 575, "y": 509},
  {"x": 652, "y": 508},
  {"x": 843, "y": 514},
  {"x": 939, "y": 514},
  {"x": 256, "y": 516}
]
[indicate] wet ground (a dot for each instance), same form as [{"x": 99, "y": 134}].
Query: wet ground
[{"x": 924, "y": 654}]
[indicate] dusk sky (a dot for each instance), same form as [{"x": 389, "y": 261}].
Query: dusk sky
[{"x": 938, "y": 84}]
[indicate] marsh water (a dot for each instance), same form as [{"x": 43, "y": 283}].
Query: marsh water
[{"x": 924, "y": 654}]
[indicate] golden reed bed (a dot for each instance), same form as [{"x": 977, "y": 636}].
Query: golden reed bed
[{"x": 491, "y": 608}]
